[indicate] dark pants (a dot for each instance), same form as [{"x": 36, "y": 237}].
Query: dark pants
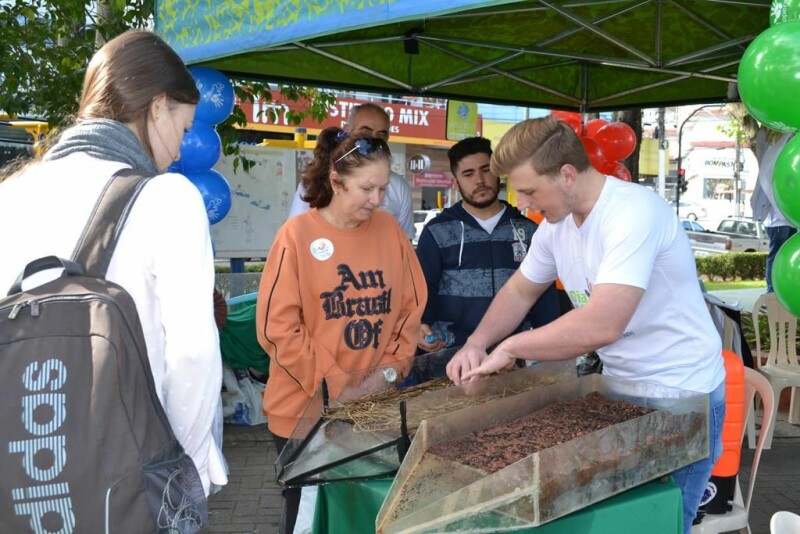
[
  {"x": 291, "y": 498},
  {"x": 777, "y": 237}
]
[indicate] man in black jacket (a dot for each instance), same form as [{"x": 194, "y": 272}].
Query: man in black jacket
[{"x": 469, "y": 251}]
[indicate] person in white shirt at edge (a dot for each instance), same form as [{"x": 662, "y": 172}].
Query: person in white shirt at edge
[
  {"x": 138, "y": 100},
  {"x": 628, "y": 269},
  {"x": 371, "y": 120},
  {"x": 769, "y": 144}
]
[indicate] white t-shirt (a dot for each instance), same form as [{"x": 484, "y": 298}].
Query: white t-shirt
[
  {"x": 163, "y": 259},
  {"x": 632, "y": 237},
  {"x": 491, "y": 223},
  {"x": 397, "y": 201}
]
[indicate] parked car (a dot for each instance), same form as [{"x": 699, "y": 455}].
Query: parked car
[
  {"x": 690, "y": 210},
  {"x": 421, "y": 218},
  {"x": 692, "y": 226},
  {"x": 732, "y": 235}
]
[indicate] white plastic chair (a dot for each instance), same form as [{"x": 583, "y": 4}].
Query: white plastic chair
[
  {"x": 782, "y": 369},
  {"x": 737, "y": 518},
  {"x": 784, "y": 523}
]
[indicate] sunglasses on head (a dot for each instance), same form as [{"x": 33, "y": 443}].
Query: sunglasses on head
[{"x": 364, "y": 146}]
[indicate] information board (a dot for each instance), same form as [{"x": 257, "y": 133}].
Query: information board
[{"x": 261, "y": 199}]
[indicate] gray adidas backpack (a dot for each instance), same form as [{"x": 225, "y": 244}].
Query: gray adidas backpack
[{"x": 86, "y": 446}]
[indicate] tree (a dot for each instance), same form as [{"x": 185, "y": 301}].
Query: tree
[
  {"x": 633, "y": 118},
  {"x": 316, "y": 104},
  {"x": 741, "y": 126},
  {"x": 48, "y": 44}
]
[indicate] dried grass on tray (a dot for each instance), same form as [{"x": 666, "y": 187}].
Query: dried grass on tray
[{"x": 380, "y": 411}]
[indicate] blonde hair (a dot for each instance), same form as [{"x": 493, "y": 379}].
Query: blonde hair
[{"x": 546, "y": 143}]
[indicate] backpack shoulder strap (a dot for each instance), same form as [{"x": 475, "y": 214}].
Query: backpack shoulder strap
[{"x": 99, "y": 237}]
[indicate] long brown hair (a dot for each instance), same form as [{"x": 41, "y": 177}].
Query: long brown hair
[{"x": 127, "y": 73}]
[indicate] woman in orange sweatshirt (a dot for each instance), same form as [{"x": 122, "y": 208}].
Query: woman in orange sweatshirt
[{"x": 341, "y": 290}]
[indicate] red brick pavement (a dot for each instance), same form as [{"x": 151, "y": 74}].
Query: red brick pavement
[{"x": 251, "y": 502}]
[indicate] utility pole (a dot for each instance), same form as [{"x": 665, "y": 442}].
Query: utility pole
[
  {"x": 737, "y": 173},
  {"x": 681, "y": 171},
  {"x": 662, "y": 155}
]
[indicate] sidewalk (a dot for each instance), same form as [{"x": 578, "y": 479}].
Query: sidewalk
[
  {"x": 776, "y": 483},
  {"x": 744, "y": 299},
  {"x": 251, "y": 502}
]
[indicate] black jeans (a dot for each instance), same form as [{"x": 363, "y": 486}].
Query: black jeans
[{"x": 291, "y": 498}]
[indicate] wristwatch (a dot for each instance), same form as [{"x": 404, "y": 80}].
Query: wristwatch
[{"x": 390, "y": 374}]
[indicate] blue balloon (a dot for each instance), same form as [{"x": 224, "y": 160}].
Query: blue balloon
[
  {"x": 216, "y": 95},
  {"x": 216, "y": 193},
  {"x": 200, "y": 148}
]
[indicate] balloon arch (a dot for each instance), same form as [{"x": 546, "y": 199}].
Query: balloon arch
[
  {"x": 201, "y": 145},
  {"x": 606, "y": 143}
]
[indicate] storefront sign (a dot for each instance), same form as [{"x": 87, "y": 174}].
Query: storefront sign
[
  {"x": 462, "y": 120},
  {"x": 435, "y": 179},
  {"x": 418, "y": 164},
  {"x": 720, "y": 163},
  {"x": 405, "y": 120}
]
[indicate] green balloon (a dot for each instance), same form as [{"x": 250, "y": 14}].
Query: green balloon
[
  {"x": 786, "y": 181},
  {"x": 784, "y": 10},
  {"x": 768, "y": 77},
  {"x": 786, "y": 274}
]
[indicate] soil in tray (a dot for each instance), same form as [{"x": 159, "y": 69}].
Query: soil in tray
[{"x": 495, "y": 448}]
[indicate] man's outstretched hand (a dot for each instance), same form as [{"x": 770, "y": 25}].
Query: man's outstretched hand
[
  {"x": 498, "y": 360},
  {"x": 465, "y": 360}
]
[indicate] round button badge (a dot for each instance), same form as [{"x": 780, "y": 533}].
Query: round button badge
[{"x": 321, "y": 249}]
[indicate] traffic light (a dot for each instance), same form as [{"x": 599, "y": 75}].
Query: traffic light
[{"x": 682, "y": 185}]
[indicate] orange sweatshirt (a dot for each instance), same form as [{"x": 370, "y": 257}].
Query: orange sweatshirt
[{"x": 333, "y": 301}]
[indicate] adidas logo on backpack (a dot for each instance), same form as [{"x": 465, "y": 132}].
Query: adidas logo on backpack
[{"x": 86, "y": 444}]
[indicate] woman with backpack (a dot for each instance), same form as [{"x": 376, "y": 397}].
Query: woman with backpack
[{"x": 137, "y": 102}]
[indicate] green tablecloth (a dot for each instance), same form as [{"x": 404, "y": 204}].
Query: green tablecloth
[
  {"x": 654, "y": 508},
  {"x": 238, "y": 341}
]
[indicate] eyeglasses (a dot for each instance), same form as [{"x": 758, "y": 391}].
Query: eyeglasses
[{"x": 364, "y": 146}]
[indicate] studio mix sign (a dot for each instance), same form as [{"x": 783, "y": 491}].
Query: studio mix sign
[{"x": 405, "y": 120}]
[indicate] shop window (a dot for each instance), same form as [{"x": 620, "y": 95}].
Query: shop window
[{"x": 718, "y": 189}]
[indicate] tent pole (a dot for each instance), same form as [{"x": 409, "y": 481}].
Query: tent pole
[{"x": 584, "y": 96}]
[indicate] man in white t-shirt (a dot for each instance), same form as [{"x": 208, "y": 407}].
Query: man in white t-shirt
[
  {"x": 371, "y": 120},
  {"x": 628, "y": 269}
]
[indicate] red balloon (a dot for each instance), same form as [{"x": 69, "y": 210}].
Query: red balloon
[
  {"x": 595, "y": 152},
  {"x": 620, "y": 171},
  {"x": 571, "y": 118},
  {"x": 608, "y": 167},
  {"x": 617, "y": 139},
  {"x": 566, "y": 116},
  {"x": 593, "y": 125}
]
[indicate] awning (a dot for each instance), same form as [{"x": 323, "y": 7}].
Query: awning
[{"x": 590, "y": 55}]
